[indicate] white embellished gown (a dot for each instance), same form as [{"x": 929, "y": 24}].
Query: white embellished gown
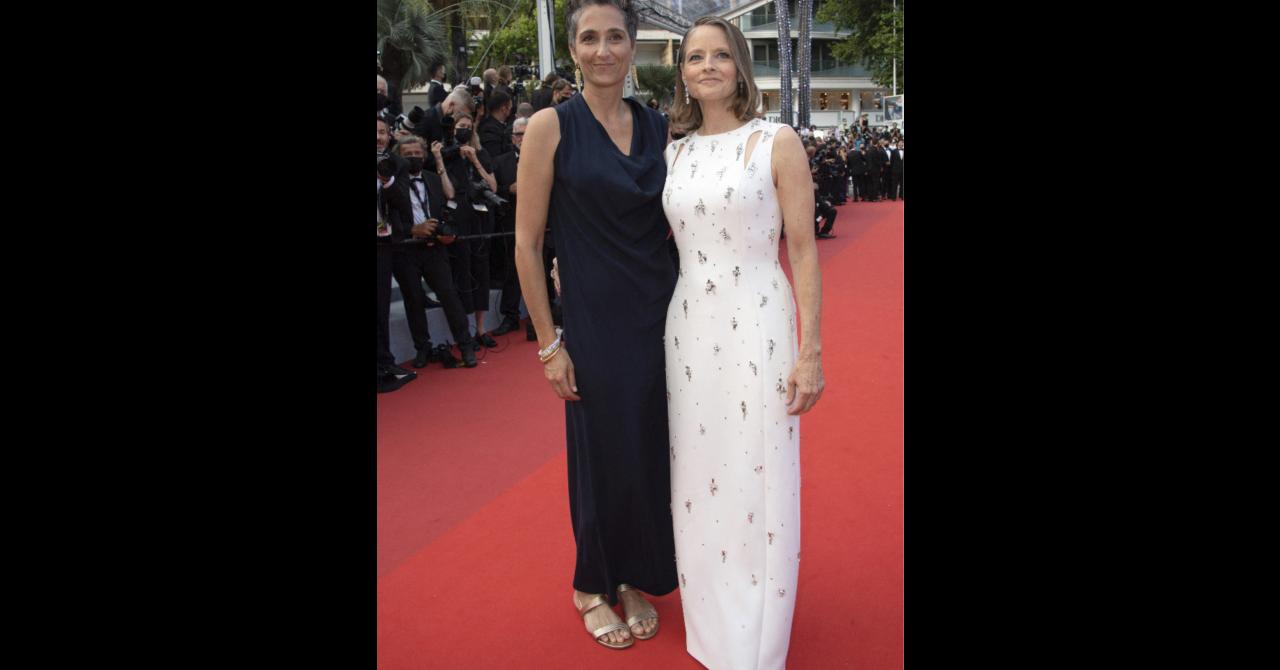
[{"x": 730, "y": 345}]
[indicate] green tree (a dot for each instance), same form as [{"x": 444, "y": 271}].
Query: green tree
[
  {"x": 873, "y": 41},
  {"x": 411, "y": 38},
  {"x": 659, "y": 81},
  {"x": 520, "y": 35}
]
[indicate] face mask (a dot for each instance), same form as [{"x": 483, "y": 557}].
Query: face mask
[
  {"x": 415, "y": 164},
  {"x": 463, "y": 135},
  {"x": 382, "y": 101}
]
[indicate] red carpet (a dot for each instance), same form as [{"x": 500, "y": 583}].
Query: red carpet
[{"x": 475, "y": 552}]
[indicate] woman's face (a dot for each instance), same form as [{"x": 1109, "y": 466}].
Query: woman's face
[
  {"x": 462, "y": 123},
  {"x": 708, "y": 69},
  {"x": 602, "y": 47}
]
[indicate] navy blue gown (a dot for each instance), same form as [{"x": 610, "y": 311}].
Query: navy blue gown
[{"x": 616, "y": 278}]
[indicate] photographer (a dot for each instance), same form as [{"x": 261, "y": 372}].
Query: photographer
[
  {"x": 386, "y": 106},
  {"x": 390, "y": 375},
  {"x": 424, "y": 193},
  {"x": 833, "y": 175},
  {"x": 505, "y": 169},
  {"x": 822, "y": 206},
  {"x": 857, "y": 163},
  {"x": 542, "y": 97},
  {"x": 470, "y": 169},
  {"x": 436, "y": 124},
  {"x": 494, "y": 133}
]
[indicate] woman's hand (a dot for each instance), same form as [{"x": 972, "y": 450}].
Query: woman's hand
[
  {"x": 805, "y": 385},
  {"x": 436, "y": 147},
  {"x": 559, "y": 372}
]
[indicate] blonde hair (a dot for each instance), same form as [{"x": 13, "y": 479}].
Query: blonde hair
[
  {"x": 746, "y": 97},
  {"x": 475, "y": 134}
]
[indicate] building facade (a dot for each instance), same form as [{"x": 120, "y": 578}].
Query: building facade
[{"x": 841, "y": 93}]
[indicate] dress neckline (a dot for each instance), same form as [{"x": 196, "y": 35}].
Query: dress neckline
[
  {"x": 635, "y": 125},
  {"x": 699, "y": 133}
]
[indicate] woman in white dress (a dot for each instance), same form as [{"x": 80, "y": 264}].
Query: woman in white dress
[{"x": 736, "y": 376}]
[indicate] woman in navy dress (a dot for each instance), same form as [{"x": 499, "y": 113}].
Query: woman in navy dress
[{"x": 592, "y": 168}]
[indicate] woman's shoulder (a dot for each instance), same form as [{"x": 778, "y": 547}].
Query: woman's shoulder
[{"x": 772, "y": 127}]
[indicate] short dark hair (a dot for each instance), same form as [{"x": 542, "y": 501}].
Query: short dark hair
[
  {"x": 497, "y": 99},
  {"x": 630, "y": 17}
]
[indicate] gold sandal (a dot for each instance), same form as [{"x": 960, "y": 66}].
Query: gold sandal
[
  {"x": 604, "y": 630},
  {"x": 651, "y": 614}
]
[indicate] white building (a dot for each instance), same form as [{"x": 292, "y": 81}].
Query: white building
[{"x": 840, "y": 93}]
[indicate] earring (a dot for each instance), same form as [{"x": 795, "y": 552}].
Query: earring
[
  {"x": 635, "y": 78},
  {"x": 577, "y": 74},
  {"x": 686, "y": 91}
]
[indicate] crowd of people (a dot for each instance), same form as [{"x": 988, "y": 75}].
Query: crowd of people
[
  {"x": 446, "y": 204},
  {"x": 865, "y": 165},
  {"x": 446, "y": 213}
]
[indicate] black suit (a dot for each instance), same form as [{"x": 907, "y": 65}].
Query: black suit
[
  {"x": 388, "y": 214},
  {"x": 875, "y": 169},
  {"x": 470, "y": 258},
  {"x": 895, "y": 174},
  {"x": 858, "y": 170},
  {"x": 884, "y": 171},
  {"x": 416, "y": 261},
  {"x": 436, "y": 94},
  {"x": 495, "y": 136}
]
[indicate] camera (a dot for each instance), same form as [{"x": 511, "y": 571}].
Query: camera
[
  {"x": 445, "y": 232},
  {"x": 480, "y": 191},
  {"x": 451, "y": 148},
  {"x": 525, "y": 72}
]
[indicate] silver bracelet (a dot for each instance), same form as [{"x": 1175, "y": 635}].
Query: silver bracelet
[{"x": 550, "y": 347}]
